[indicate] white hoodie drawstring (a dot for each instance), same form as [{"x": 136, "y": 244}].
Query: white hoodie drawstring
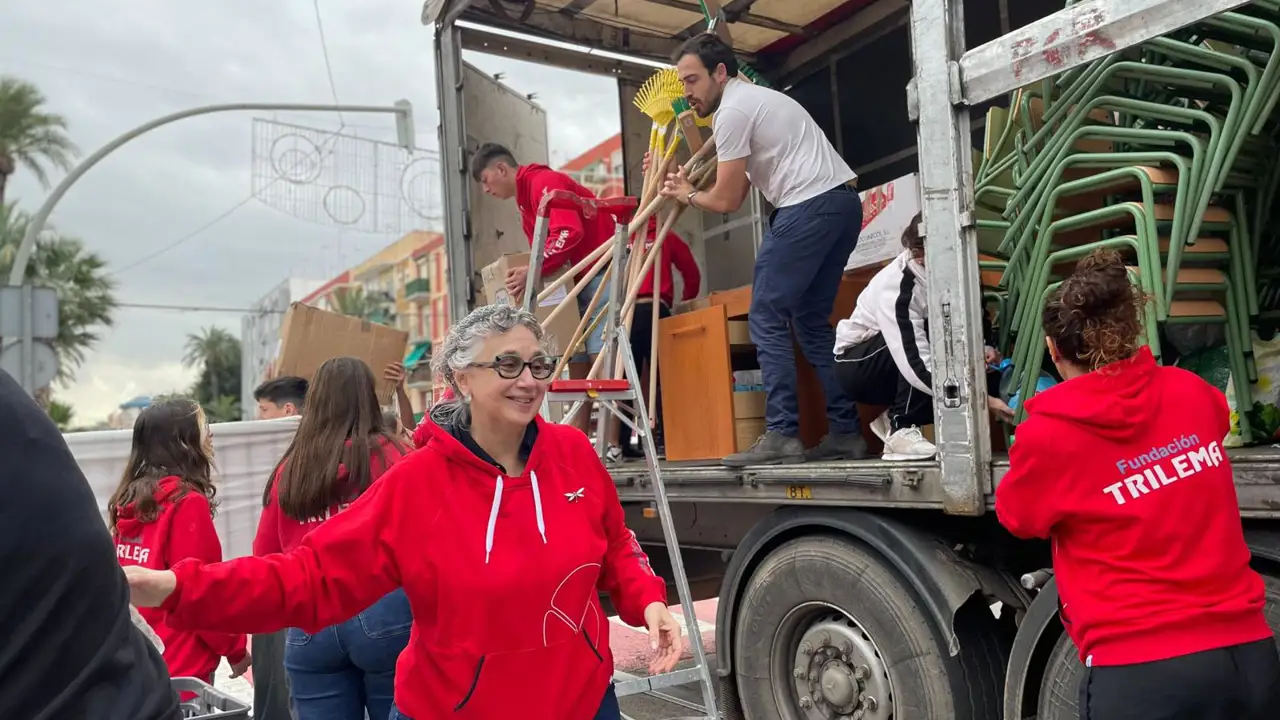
[
  {"x": 537, "y": 506},
  {"x": 497, "y": 505},
  {"x": 493, "y": 520}
]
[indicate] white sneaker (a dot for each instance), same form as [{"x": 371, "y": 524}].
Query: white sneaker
[
  {"x": 908, "y": 444},
  {"x": 881, "y": 427}
]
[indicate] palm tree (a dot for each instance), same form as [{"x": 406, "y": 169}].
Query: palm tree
[
  {"x": 86, "y": 294},
  {"x": 29, "y": 136},
  {"x": 61, "y": 414},
  {"x": 213, "y": 351},
  {"x": 222, "y": 409},
  {"x": 352, "y": 302}
]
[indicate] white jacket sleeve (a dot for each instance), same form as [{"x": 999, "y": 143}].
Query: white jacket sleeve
[{"x": 903, "y": 318}]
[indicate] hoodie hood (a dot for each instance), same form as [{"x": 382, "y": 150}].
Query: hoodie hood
[
  {"x": 1113, "y": 402},
  {"x": 129, "y": 525},
  {"x": 453, "y": 441},
  {"x": 524, "y": 184}
]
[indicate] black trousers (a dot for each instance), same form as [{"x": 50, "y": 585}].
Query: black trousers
[
  {"x": 868, "y": 375},
  {"x": 270, "y": 683},
  {"x": 1241, "y": 682}
]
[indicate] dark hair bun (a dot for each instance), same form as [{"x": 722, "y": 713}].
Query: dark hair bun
[{"x": 1099, "y": 286}]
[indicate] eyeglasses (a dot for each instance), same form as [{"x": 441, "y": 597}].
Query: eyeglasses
[{"x": 509, "y": 367}]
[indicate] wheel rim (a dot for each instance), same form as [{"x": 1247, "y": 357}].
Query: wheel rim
[{"x": 827, "y": 667}]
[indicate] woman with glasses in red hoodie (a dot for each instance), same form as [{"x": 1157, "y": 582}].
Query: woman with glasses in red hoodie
[
  {"x": 1122, "y": 467},
  {"x": 161, "y": 513},
  {"x": 342, "y": 447},
  {"x": 502, "y": 530}
]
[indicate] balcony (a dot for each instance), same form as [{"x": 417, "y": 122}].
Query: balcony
[
  {"x": 417, "y": 290},
  {"x": 418, "y": 363},
  {"x": 382, "y": 316}
]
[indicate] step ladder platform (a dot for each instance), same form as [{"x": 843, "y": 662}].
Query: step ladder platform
[{"x": 581, "y": 386}]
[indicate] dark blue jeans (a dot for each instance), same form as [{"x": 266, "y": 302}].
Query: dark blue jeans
[
  {"x": 609, "y": 709},
  {"x": 348, "y": 669},
  {"x": 797, "y": 275}
]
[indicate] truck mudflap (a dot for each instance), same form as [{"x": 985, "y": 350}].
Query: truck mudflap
[{"x": 941, "y": 578}]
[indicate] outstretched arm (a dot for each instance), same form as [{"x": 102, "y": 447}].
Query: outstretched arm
[{"x": 340, "y": 568}]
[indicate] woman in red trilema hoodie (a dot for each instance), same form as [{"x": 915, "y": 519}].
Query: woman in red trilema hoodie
[
  {"x": 162, "y": 514},
  {"x": 1122, "y": 467},
  {"x": 502, "y": 529},
  {"x": 341, "y": 449}
]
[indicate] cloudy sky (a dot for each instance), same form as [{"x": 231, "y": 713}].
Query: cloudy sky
[{"x": 110, "y": 65}]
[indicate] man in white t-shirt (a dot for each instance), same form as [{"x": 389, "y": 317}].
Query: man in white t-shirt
[{"x": 766, "y": 139}]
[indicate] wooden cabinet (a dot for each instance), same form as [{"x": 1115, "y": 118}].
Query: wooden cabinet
[{"x": 697, "y": 385}]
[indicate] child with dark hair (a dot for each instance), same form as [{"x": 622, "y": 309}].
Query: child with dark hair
[
  {"x": 1122, "y": 467},
  {"x": 162, "y": 512},
  {"x": 281, "y": 397}
]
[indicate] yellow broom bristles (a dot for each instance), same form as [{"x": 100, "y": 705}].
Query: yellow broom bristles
[{"x": 655, "y": 96}]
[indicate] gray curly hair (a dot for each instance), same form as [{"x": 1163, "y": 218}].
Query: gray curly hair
[{"x": 460, "y": 347}]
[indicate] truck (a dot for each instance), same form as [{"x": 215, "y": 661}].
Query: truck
[{"x": 896, "y": 576}]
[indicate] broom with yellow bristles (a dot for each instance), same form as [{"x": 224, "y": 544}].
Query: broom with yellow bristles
[{"x": 654, "y": 100}]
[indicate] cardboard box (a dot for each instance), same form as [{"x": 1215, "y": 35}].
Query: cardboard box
[
  {"x": 748, "y": 405},
  {"x": 309, "y": 336},
  {"x": 493, "y": 278},
  {"x": 747, "y": 431},
  {"x": 739, "y": 332}
]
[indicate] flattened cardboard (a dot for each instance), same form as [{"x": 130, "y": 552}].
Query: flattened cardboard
[
  {"x": 493, "y": 278},
  {"x": 309, "y": 336}
]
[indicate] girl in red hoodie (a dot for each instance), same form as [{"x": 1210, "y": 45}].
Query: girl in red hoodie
[
  {"x": 502, "y": 530},
  {"x": 340, "y": 450},
  {"x": 162, "y": 513},
  {"x": 1122, "y": 467}
]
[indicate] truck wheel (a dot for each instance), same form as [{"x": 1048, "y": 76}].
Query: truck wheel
[
  {"x": 1060, "y": 688},
  {"x": 826, "y": 630}
]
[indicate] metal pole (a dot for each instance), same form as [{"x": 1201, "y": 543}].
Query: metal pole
[
  {"x": 28, "y": 379},
  {"x": 935, "y": 103},
  {"x": 38, "y": 220}
]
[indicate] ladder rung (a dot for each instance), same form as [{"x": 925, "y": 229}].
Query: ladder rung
[
  {"x": 580, "y": 386},
  {"x": 626, "y": 684}
]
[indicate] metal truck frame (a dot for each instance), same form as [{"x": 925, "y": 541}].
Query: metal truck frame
[{"x": 917, "y": 536}]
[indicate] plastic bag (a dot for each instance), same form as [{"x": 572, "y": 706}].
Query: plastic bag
[{"x": 1214, "y": 367}]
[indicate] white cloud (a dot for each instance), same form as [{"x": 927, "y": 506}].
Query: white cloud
[{"x": 109, "y": 65}]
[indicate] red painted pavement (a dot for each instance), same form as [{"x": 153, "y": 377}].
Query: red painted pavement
[{"x": 630, "y": 646}]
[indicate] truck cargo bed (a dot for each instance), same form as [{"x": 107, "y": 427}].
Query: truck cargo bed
[{"x": 876, "y": 483}]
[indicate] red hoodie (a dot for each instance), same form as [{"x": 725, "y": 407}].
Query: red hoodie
[
  {"x": 278, "y": 532},
  {"x": 1124, "y": 470},
  {"x": 674, "y": 252},
  {"x": 183, "y": 529},
  {"x": 502, "y": 574},
  {"x": 570, "y": 237}
]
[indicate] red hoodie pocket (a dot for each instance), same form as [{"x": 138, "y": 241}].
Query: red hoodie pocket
[{"x": 549, "y": 681}]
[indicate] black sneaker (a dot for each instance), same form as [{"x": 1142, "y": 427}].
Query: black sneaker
[
  {"x": 838, "y": 446},
  {"x": 772, "y": 448}
]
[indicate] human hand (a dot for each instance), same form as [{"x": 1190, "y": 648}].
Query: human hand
[
  {"x": 677, "y": 186},
  {"x": 515, "y": 283},
  {"x": 239, "y": 668},
  {"x": 646, "y": 162},
  {"x": 999, "y": 409},
  {"x": 664, "y": 638},
  {"x": 394, "y": 372},
  {"x": 149, "y": 588}
]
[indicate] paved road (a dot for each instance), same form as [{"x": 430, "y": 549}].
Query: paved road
[{"x": 631, "y": 654}]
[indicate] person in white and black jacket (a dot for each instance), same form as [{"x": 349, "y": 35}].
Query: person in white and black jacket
[{"x": 883, "y": 357}]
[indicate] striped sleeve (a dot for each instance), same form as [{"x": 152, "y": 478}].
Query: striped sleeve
[{"x": 908, "y": 341}]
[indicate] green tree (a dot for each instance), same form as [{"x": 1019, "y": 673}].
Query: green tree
[
  {"x": 86, "y": 294},
  {"x": 216, "y": 353},
  {"x": 353, "y": 302},
  {"x": 29, "y": 136},
  {"x": 61, "y": 414},
  {"x": 222, "y": 409}
]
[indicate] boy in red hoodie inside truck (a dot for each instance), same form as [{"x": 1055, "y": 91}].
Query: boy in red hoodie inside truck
[
  {"x": 1122, "y": 467},
  {"x": 570, "y": 238},
  {"x": 162, "y": 512}
]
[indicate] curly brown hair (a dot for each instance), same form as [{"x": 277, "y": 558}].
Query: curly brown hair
[{"x": 1095, "y": 316}]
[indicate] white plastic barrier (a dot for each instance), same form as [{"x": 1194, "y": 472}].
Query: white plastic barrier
[{"x": 245, "y": 453}]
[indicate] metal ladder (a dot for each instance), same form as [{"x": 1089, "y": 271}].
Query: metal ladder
[{"x": 607, "y": 394}]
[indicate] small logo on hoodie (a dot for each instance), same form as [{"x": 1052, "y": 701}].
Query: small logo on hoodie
[{"x": 576, "y": 495}]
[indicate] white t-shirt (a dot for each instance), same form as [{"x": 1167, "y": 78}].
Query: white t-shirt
[{"x": 789, "y": 158}]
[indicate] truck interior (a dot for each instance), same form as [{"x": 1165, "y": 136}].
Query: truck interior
[{"x": 848, "y": 62}]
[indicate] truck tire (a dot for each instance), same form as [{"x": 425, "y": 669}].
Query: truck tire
[
  {"x": 1060, "y": 687},
  {"x": 825, "y": 628}
]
